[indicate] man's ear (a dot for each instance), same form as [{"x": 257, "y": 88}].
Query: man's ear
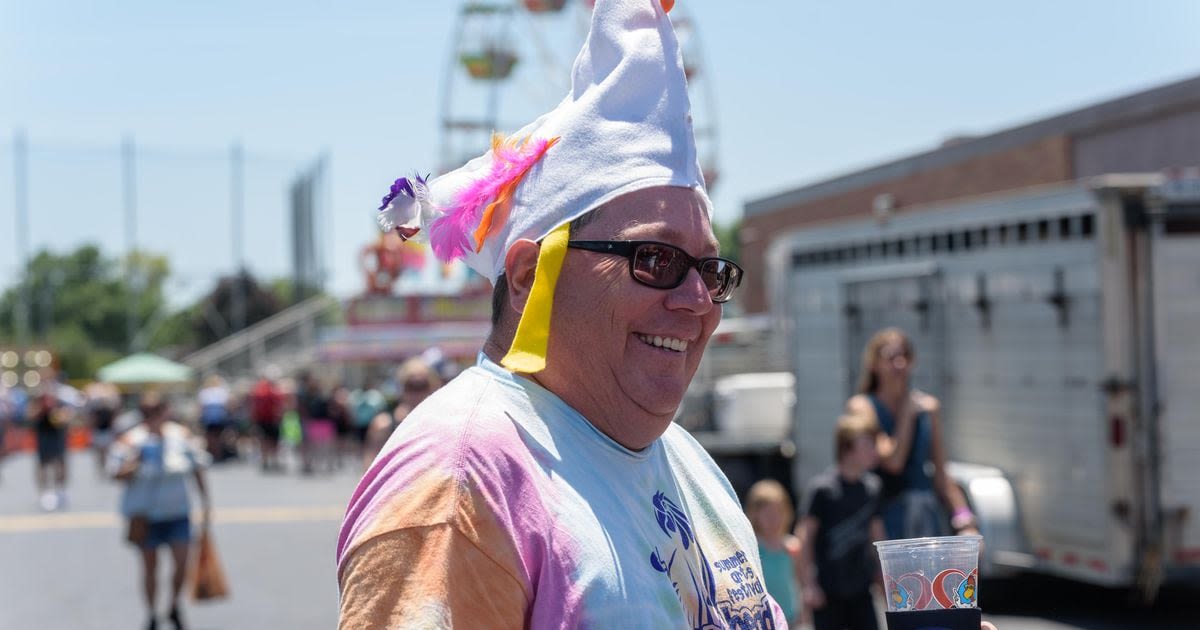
[{"x": 520, "y": 265}]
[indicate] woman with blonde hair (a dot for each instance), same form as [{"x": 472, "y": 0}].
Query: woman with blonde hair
[
  {"x": 155, "y": 459},
  {"x": 911, "y": 437}
]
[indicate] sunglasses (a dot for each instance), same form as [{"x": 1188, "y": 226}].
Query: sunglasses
[{"x": 663, "y": 266}]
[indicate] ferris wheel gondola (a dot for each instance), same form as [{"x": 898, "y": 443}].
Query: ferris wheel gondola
[{"x": 511, "y": 62}]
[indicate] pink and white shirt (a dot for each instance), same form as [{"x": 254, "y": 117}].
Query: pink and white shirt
[{"x": 497, "y": 505}]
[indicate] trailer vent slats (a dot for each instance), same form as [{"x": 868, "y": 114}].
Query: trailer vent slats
[{"x": 1063, "y": 228}]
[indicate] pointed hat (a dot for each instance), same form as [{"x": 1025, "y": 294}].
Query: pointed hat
[{"x": 626, "y": 125}]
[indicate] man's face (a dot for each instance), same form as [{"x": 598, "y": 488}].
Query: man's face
[{"x": 609, "y": 352}]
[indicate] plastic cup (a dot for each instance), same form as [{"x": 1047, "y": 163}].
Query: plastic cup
[{"x": 931, "y": 582}]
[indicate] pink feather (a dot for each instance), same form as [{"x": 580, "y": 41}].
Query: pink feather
[{"x": 450, "y": 233}]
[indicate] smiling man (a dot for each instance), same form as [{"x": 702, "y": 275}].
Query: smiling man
[{"x": 547, "y": 487}]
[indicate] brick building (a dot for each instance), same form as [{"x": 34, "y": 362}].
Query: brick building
[{"x": 1144, "y": 132}]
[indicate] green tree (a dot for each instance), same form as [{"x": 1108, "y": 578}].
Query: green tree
[
  {"x": 80, "y": 301},
  {"x": 213, "y": 317}
]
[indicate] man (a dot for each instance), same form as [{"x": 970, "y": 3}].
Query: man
[
  {"x": 266, "y": 413},
  {"x": 547, "y": 486},
  {"x": 50, "y": 419}
]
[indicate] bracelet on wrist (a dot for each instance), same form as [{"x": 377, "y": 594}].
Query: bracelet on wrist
[{"x": 962, "y": 519}]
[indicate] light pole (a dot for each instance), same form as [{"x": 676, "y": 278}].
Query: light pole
[
  {"x": 21, "y": 205},
  {"x": 236, "y": 203},
  {"x": 130, "y": 197}
]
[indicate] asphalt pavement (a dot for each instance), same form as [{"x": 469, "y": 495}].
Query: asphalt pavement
[
  {"x": 276, "y": 534},
  {"x": 71, "y": 570}
]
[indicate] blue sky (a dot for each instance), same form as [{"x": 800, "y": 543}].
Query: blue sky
[{"x": 802, "y": 90}]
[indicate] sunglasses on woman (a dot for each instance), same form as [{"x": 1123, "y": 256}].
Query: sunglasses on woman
[{"x": 663, "y": 266}]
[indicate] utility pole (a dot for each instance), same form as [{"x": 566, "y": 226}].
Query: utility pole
[
  {"x": 131, "y": 281},
  {"x": 236, "y": 207},
  {"x": 21, "y": 201},
  {"x": 323, "y": 206}
]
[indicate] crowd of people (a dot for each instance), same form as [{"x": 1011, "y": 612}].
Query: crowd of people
[
  {"x": 321, "y": 422},
  {"x": 327, "y": 424},
  {"x": 158, "y": 446}
]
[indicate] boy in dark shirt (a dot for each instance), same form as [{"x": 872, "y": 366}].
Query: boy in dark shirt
[{"x": 838, "y": 524}]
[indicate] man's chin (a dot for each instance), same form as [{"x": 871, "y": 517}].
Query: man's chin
[
  {"x": 662, "y": 406},
  {"x": 656, "y": 394}
]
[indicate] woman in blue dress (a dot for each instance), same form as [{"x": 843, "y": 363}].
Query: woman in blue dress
[{"x": 912, "y": 452}]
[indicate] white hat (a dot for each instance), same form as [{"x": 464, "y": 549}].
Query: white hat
[{"x": 626, "y": 125}]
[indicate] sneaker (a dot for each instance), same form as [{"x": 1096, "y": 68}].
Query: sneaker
[{"x": 48, "y": 501}]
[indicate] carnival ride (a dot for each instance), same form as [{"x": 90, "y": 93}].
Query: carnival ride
[{"x": 511, "y": 61}]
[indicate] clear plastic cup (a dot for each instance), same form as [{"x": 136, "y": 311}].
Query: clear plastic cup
[{"x": 930, "y": 573}]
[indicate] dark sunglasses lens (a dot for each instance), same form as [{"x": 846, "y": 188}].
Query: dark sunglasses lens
[
  {"x": 719, "y": 277},
  {"x": 659, "y": 266}
]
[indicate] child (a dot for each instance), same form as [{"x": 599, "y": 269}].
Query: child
[
  {"x": 770, "y": 512},
  {"x": 839, "y": 523}
]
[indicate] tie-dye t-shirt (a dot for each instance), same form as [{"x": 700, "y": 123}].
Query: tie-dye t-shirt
[{"x": 496, "y": 505}]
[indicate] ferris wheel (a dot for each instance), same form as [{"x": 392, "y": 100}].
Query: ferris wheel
[{"x": 511, "y": 62}]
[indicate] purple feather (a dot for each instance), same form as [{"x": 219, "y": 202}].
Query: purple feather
[{"x": 401, "y": 185}]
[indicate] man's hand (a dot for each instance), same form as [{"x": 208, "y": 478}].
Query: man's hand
[{"x": 987, "y": 626}]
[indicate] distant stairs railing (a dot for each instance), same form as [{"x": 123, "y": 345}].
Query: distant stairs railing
[{"x": 287, "y": 339}]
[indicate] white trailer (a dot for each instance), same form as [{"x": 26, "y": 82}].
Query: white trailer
[{"x": 1060, "y": 327}]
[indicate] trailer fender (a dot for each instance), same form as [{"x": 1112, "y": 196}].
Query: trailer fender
[{"x": 991, "y": 496}]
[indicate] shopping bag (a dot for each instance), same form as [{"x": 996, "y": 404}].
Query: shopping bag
[
  {"x": 209, "y": 580},
  {"x": 139, "y": 528}
]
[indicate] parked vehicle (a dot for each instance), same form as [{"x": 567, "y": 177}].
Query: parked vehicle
[{"x": 1060, "y": 327}]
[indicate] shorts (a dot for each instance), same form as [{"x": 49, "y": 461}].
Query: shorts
[
  {"x": 269, "y": 431},
  {"x": 319, "y": 430},
  {"x": 169, "y": 532},
  {"x": 51, "y": 447}
]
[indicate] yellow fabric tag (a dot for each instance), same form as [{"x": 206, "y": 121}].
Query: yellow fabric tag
[{"x": 528, "y": 352}]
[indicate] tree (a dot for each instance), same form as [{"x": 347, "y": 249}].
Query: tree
[
  {"x": 213, "y": 317},
  {"x": 80, "y": 303}
]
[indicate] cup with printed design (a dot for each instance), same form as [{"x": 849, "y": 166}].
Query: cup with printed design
[{"x": 931, "y": 582}]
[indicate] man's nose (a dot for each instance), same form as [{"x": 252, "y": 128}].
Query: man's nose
[{"x": 692, "y": 295}]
